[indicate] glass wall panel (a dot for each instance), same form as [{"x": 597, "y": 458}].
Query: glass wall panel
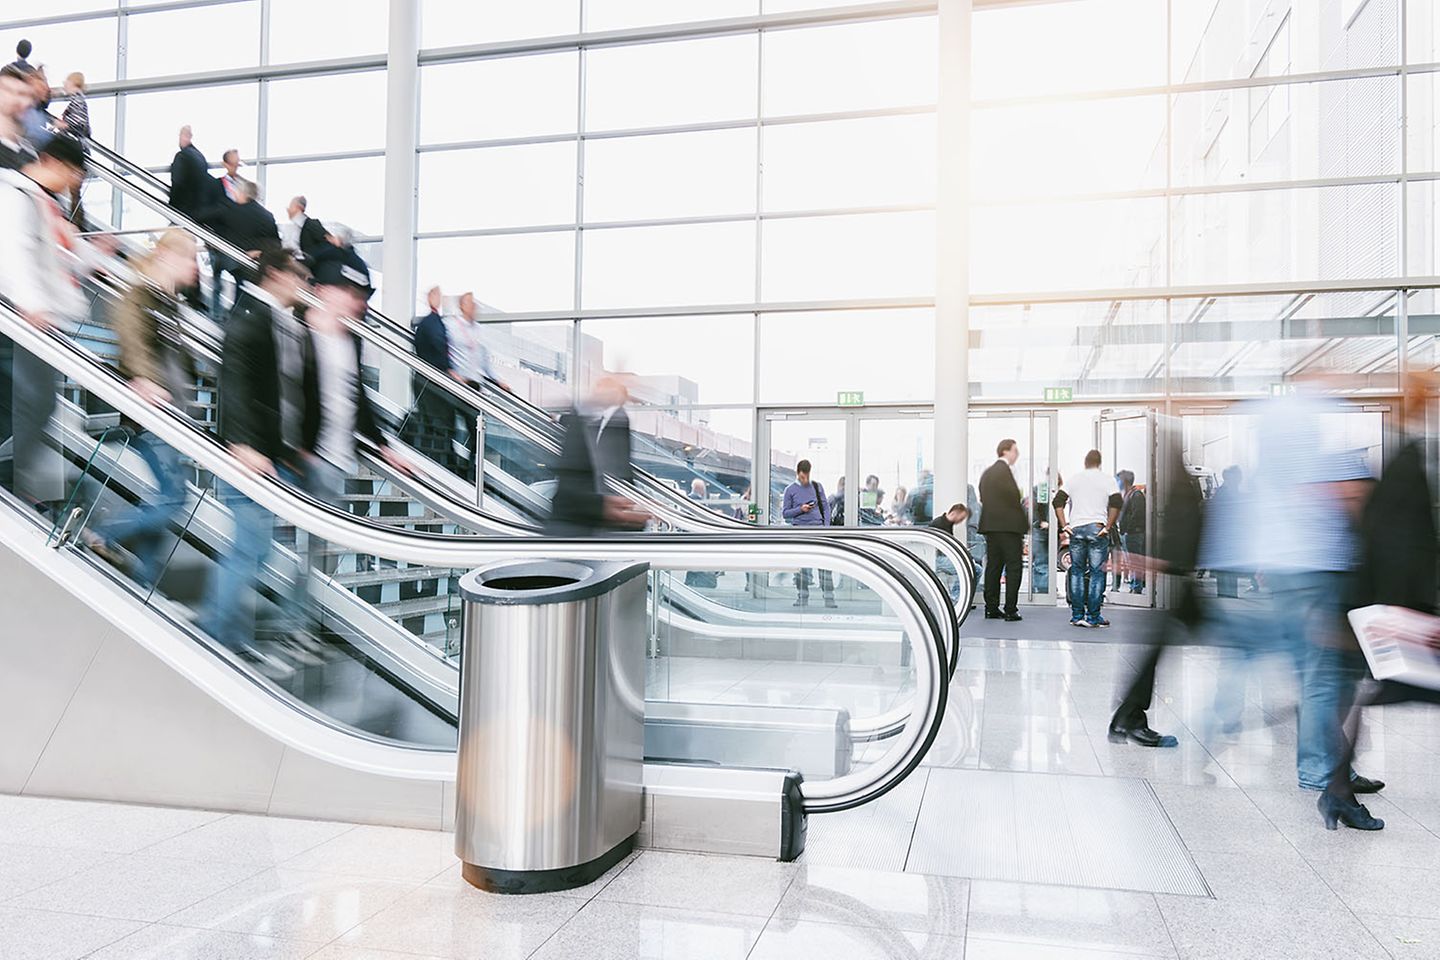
[
  {"x": 1032, "y": 49},
  {"x": 102, "y": 117},
  {"x": 670, "y": 175},
  {"x": 530, "y": 185},
  {"x": 861, "y": 256},
  {"x": 533, "y": 359},
  {"x": 221, "y": 118},
  {"x": 679, "y": 361},
  {"x": 850, "y": 163},
  {"x": 618, "y": 14},
  {"x": 1233, "y": 39},
  {"x": 200, "y": 39},
  {"x": 447, "y": 23},
  {"x": 1250, "y": 345},
  {"x": 806, "y": 358},
  {"x": 1423, "y": 225},
  {"x": 853, "y": 66},
  {"x": 332, "y": 114},
  {"x": 327, "y": 29},
  {"x": 1328, "y": 233},
  {"x": 476, "y": 101},
  {"x": 703, "y": 80},
  {"x": 1102, "y": 349},
  {"x": 351, "y": 192},
  {"x": 85, "y": 45},
  {"x": 514, "y": 273},
  {"x": 660, "y": 266},
  {"x": 682, "y": 446},
  {"x": 55, "y": 8},
  {"x": 1087, "y": 245},
  {"x": 1055, "y": 149},
  {"x": 1300, "y": 131}
]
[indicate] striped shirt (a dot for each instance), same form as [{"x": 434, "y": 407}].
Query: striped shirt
[{"x": 77, "y": 117}]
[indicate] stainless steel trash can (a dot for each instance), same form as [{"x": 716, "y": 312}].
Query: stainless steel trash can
[{"x": 552, "y": 722}]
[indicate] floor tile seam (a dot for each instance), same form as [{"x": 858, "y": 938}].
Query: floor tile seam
[
  {"x": 11, "y": 902},
  {"x": 1098, "y": 951},
  {"x": 215, "y": 893},
  {"x": 915, "y": 824},
  {"x": 726, "y": 913},
  {"x": 224, "y": 815},
  {"x": 1165, "y": 921},
  {"x": 84, "y": 674},
  {"x": 774, "y": 911},
  {"x": 107, "y": 945}
]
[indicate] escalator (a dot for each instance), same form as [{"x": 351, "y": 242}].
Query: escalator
[
  {"x": 519, "y": 440},
  {"x": 367, "y": 732}
]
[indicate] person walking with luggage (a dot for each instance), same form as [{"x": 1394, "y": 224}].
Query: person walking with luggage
[
  {"x": 805, "y": 505},
  {"x": 1091, "y": 508},
  {"x": 1003, "y": 523}
]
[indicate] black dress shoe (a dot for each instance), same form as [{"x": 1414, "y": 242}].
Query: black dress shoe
[
  {"x": 1352, "y": 813},
  {"x": 1366, "y": 785},
  {"x": 993, "y": 614},
  {"x": 1012, "y": 618},
  {"x": 1141, "y": 735}
]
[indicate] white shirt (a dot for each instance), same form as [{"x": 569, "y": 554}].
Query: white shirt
[
  {"x": 290, "y": 232},
  {"x": 35, "y": 273},
  {"x": 468, "y": 354},
  {"x": 1089, "y": 494},
  {"x": 338, "y": 368}
]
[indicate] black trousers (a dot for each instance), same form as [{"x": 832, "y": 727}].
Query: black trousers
[
  {"x": 1003, "y": 553},
  {"x": 1185, "y": 616}
]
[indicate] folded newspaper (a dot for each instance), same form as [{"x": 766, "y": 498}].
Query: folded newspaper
[{"x": 1399, "y": 644}]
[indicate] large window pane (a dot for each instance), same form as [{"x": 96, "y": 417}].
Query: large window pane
[
  {"x": 221, "y": 117},
  {"x": 1241, "y": 39},
  {"x": 849, "y": 257},
  {"x": 1103, "y": 349},
  {"x": 529, "y": 185},
  {"x": 327, "y": 29},
  {"x": 86, "y": 45},
  {"x": 1055, "y": 149},
  {"x": 685, "y": 445},
  {"x": 859, "y": 66},
  {"x": 221, "y": 37},
  {"x": 1033, "y": 49},
  {"x": 1330, "y": 233},
  {"x": 618, "y": 14},
  {"x": 1301, "y": 131},
  {"x": 1254, "y": 344},
  {"x": 349, "y": 191},
  {"x": 532, "y": 359},
  {"x": 850, "y": 163},
  {"x": 673, "y": 175},
  {"x": 55, "y": 8},
  {"x": 327, "y": 114},
  {"x": 809, "y": 357},
  {"x": 657, "y": 84},
  {"x": 682, "y": 360},
  {"x": 447, "y": 23},
  {"x": 479, "y": 101},
  {"x": 102, "y": 117},
  {"x": 1067, "y": 246},
  {"x": 514, "y": 273},
  {"x": 657, "y": 266}
]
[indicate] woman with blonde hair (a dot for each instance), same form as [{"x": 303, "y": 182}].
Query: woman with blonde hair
[
  {"x": 75, "y": 121},
  {"x": 154, "y": 359}
]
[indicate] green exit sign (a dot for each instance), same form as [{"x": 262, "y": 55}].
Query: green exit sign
[
  {"x": 1059, "y": 394},
  {"x": 850, "y": 398}
]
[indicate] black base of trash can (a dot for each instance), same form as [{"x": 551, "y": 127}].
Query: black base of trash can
[{"x": 546, "y": 881}]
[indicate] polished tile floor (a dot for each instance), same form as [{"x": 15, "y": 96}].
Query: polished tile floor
[{"x": 111, "y": 881}]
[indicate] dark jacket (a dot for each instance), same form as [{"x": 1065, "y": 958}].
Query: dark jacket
[
  {"x": 312, "y": 238},
  {"x": 1132, "y": 513},
  {"x": 432, "y": 342},
  {"x": 1398, "y": 535},
  {"x": 578, "y": 506},
  {"x": 1003, "y": 510},
  {"x": 365, "y": 423},
  {"x": 248, "y": 226},
  {"x": 191, "y": 186},
  {"x": 250, "y": 380}
]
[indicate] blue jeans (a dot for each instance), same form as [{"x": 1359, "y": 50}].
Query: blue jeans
[
  {"x": 1307, "y": 611},
  {"x": 1088, "y": 553},
  {"x": 1040, "y": 560},
  {"x": 230, "y": 606},
  {"x": 144, "y": 525}
]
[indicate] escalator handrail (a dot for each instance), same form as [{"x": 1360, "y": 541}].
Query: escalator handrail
[{"x": 674, "y": 551}]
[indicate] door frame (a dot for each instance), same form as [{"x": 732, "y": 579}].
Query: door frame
[
  {"x": 1033, "y": 414},
  {"x": 850, "y": 416},
  {"x": 1149, "y": 415}
]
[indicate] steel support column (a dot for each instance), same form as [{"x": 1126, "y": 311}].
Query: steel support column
[
  {"x": 952, "y": 264},
  {"x": 402, "y": 82}
]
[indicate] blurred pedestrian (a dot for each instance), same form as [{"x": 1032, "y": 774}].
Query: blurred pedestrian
[
  {"x": 1089, "y": 514},
  {"x": 433, "y": 432},
  {"x": 946, "y": 522},
  {"x": 75, "y": 121},
  {"x": 301, "y": 233},
  {"x": 23, "y": 49},
  {"x": 596, "y": 444},
  {"x": 804, "y": 505},
  {"x": 39, "y": 125},
  {"x": 191, "y": 186},
  {"x": 15, "y": 100},
  {"x": 900, "y": 506},
  {"x": 1227, "y": 516},
  {"x": 710, "y": 579},
  {"x": 155, "y": 360},
  {"x": 42, "y": 262},
  {"x": 1003, "y": 523},
  {"x": 1131, "y": 528}
]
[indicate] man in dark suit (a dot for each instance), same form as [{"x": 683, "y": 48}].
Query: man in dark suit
[
  {"x": 191, "y": 186},
  {"x": 434, "y": 422},
  {"x": 596, "y": 444},
  {"x": 301, "y": 233},
  {"x": 1003, "y": 523},
  {"x": 248, "y": 225}
]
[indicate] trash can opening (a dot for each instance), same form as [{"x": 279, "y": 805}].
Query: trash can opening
[{"x": 529, "y": 583}]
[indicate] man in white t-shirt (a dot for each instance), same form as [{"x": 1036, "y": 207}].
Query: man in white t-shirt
[{"x": 1091, "y": 506}]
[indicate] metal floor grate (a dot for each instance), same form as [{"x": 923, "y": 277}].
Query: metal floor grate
[{"x": 1105, "y": 832}]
